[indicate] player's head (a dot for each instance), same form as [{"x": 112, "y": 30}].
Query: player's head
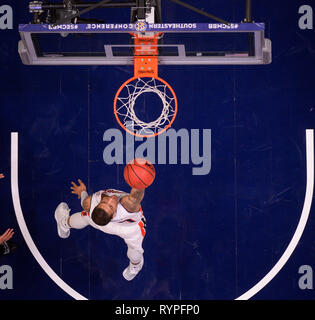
[{"x": 105, "y": 210}]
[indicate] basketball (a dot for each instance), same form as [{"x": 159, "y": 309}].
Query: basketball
[{"x": 139, "y": 173}]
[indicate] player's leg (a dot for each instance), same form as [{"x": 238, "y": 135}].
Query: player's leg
[
  {"x": 64, "y": 221},
  {"x": 135, "y": 253}
]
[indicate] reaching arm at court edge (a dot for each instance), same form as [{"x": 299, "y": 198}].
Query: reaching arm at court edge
[
  {"x": 80, "y": 191},
  {"x": 6, "y": 236}
]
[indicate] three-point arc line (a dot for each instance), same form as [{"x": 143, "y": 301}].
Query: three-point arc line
[
  {"x": 247, "y": 295},
  {"x": 301, "y": 225},
  {"x": 23, "y": 227}
]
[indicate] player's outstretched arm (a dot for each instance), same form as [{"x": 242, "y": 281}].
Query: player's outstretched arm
[
  {"x": 86, "y": 203},
  {"x": 132, "y": 202},
  {"x": 80, "y": 191}
]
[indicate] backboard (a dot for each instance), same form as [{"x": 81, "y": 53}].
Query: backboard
[
  {"x": 59, "y": 36},
  {"x": 112, "y": 44}
]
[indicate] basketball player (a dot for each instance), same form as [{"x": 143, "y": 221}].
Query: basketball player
[{"x": 111, "y": 211}]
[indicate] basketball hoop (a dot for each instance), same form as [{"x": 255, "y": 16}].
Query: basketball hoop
[{"x": 145, "y": 80}]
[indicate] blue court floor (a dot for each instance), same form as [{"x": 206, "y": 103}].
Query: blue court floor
[{"x": 241, "y": 231}]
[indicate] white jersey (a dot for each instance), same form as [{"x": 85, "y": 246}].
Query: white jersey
[
  {"x": 122, "y": 216},
  {"x": 128, "y": 225}
]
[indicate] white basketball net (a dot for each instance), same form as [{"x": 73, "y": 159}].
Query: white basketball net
[{"x": 125, "y": 106}]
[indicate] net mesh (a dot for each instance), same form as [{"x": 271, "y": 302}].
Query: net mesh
[{"x": 126, "y": 102}]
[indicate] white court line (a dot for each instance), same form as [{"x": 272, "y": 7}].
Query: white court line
[
  {"x": 21, "y": 222},
  {"x": 301, "y": 225},
  {"x": 247, "y": 295}
]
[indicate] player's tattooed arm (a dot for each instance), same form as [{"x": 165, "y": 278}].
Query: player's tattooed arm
[{"x": 133, "y": 200}]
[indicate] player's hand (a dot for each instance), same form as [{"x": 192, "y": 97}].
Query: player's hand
[
  {"x": 6, "y": 236},
  {"x": 1, "y": 175},
  {"x": 77, "y": 189}
]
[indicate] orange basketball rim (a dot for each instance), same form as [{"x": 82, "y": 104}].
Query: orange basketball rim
[{"x": 145, "y": 80}]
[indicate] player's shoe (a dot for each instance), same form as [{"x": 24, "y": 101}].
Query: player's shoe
[
  {"x": 132, "y": 270},
  {"x": 62, "y": 213}
]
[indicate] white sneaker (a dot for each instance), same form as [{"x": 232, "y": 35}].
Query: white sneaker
[
  {"x": 132, "y": 270},
  {"x": 61, "y": 213}
]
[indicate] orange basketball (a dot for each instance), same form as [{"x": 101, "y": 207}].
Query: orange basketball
[{"x": 139, "y": 173}]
